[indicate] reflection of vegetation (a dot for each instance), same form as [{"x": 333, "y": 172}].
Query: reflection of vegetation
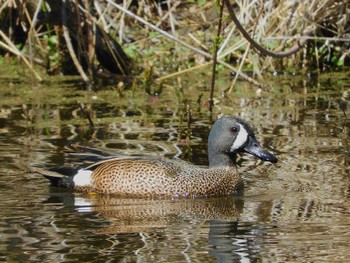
[{"x": 151, "y": 88}]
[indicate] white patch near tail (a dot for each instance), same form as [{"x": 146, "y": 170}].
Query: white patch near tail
[
  {"x": 241, "y": 139},
  {"x": 82, "y": 178},
  {"x": 82, "y": 205}
]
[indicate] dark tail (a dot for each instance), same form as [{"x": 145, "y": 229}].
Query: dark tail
[
  {"x": 59, "y": 176},
  {"x": 86, "y": 155}
]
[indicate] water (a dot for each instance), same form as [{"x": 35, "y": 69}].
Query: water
[{"x": 295, "y": 210}]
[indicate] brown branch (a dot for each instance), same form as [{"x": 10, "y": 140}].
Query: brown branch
[{"x": 261, "y": 49}]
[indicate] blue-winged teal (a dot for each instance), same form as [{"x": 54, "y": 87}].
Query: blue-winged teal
[{"x": 161, "y": 176}]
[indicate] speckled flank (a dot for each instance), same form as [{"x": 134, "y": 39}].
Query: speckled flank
[{"x": 163, "y": 177}]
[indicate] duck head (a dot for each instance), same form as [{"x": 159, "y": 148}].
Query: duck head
[{"x": 231, "y": 135}]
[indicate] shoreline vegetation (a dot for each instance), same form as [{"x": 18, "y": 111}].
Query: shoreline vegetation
[{"x": 157, "y": 40}]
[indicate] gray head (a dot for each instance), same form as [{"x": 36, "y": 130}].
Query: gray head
[{"x": 229, "y": 136}]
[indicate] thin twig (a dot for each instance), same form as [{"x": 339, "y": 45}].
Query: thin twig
[
  {"x": 333, "y": 39},
  {"x": 163, "y": 18},
  {"x": 246, "y": 77},
  {"x": 32, "y": 29},
  {"x": 187, "y": 70},
  {"x": 225, "y": 42},
  {"x": 215, "y": 55},
  {"x": 171, "y": 17},
  {"x": 122, "y": 23},
  {"x": 239, "y": 69}
]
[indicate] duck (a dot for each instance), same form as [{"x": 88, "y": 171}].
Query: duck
[{"x": 161, "y": 176}]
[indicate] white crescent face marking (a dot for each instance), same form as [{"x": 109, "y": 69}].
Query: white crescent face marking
[
  {"x": 241, "y": 139},
  {"x": 82, "y": 178}
]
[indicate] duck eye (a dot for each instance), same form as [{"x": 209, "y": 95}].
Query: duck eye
[{"x": 234, "y": 129}]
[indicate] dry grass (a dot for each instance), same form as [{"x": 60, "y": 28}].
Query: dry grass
[
  {"x": 278, "y": 24},
  {"x": 187, "y": 29}
]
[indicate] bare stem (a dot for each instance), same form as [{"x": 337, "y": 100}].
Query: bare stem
[
  {"x": 215, "y": 55},
  {"x": 86, "y": 113}
]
